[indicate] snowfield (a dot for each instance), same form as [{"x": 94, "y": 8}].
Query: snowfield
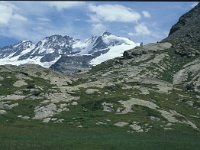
[
  {"x": 116, "y": 51},
  {"x": 35, "y": 60}
]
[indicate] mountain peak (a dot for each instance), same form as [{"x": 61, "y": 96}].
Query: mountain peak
[
  {"x": 54, "y": 37},
  {"x": 26, "y": 41},
  {"x": 106, "y": 33},
  {"x": 25, "y": 44}
]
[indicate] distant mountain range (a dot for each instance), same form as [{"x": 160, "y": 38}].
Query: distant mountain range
[{"x": 56, "y": 50}]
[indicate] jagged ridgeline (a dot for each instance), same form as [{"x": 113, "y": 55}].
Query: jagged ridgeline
[
  {"x": 149, "y": 95},
  {"x": 66, "y": 54}
]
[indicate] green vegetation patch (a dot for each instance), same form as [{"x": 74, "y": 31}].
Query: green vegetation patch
[
  {"x": 7, "y": 87},
  {"x": 176, "y": 62}
]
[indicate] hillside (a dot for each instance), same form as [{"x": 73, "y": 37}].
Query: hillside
[{"x": 147, "y": 99}]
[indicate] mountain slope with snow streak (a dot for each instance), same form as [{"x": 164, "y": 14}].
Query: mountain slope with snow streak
[{"x": 116, "y": 50}]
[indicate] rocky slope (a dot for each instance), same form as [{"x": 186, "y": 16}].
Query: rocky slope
[
  {"x": 150, "y": 88},
  {"x": 185, "y": 34}
]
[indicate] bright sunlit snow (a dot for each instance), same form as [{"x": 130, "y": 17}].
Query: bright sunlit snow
[
  {"x": 35, "y": 60},
  {"x": 116, "y": 51}
]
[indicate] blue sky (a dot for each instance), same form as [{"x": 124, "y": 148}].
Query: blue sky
[{"x": 140, "y": 21}]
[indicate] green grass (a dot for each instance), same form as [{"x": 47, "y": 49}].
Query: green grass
[
  {"x": 45, "y": 84},
  {"x": 21, "y": 134},
  {"x": 174, "y": 67},
  {"x": 79, "y": 81},
  {"x": 6, "y": 87},
  {"x": 63, "y": 137},
  {"x": 102, "y": 67},
  {"x": 25, "y": 108}
]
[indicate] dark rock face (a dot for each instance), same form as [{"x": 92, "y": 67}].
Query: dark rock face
[
  {"x": 72, "y": 64},
  {"x": 49, "y": 57},
  {"x": 99, "y": 44},
  {"x": 185, "y": 34}
]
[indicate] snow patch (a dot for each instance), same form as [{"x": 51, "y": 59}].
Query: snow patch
[
  {"x": 116, "y": 51},
  {"x": 35, "y": 60}
]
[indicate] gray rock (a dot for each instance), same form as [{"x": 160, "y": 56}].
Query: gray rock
[
  {"x": 149, "y": 48},
  {"x": 12, "y": 97},
  {"x": 1, "y": 78},
  {"x": 2, "y": 112},
  {"x": 136, "y": 127},
  {"x": 121, "y": 124},
  {"x": 91, "y": 91},
  {"x": 107, "y": 107},
  {"x": 46, "y": 120},
  {"x": 45, "y": 111},
  {"x": 20, "y": 83},
  {"x": 74, "y": 103},
  {"x": 23, "y": 117}
]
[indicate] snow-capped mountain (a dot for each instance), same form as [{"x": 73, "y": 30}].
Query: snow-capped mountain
[
  {"x": 49, "y": 50},
  {"x": 115, "y": 45},
  {"x": 45, "y": 53}
]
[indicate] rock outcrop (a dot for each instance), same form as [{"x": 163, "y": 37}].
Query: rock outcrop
[{"x": 185, "y": 34}]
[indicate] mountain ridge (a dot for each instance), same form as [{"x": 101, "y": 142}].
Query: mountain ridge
[{"x": 49, "y": 50}]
